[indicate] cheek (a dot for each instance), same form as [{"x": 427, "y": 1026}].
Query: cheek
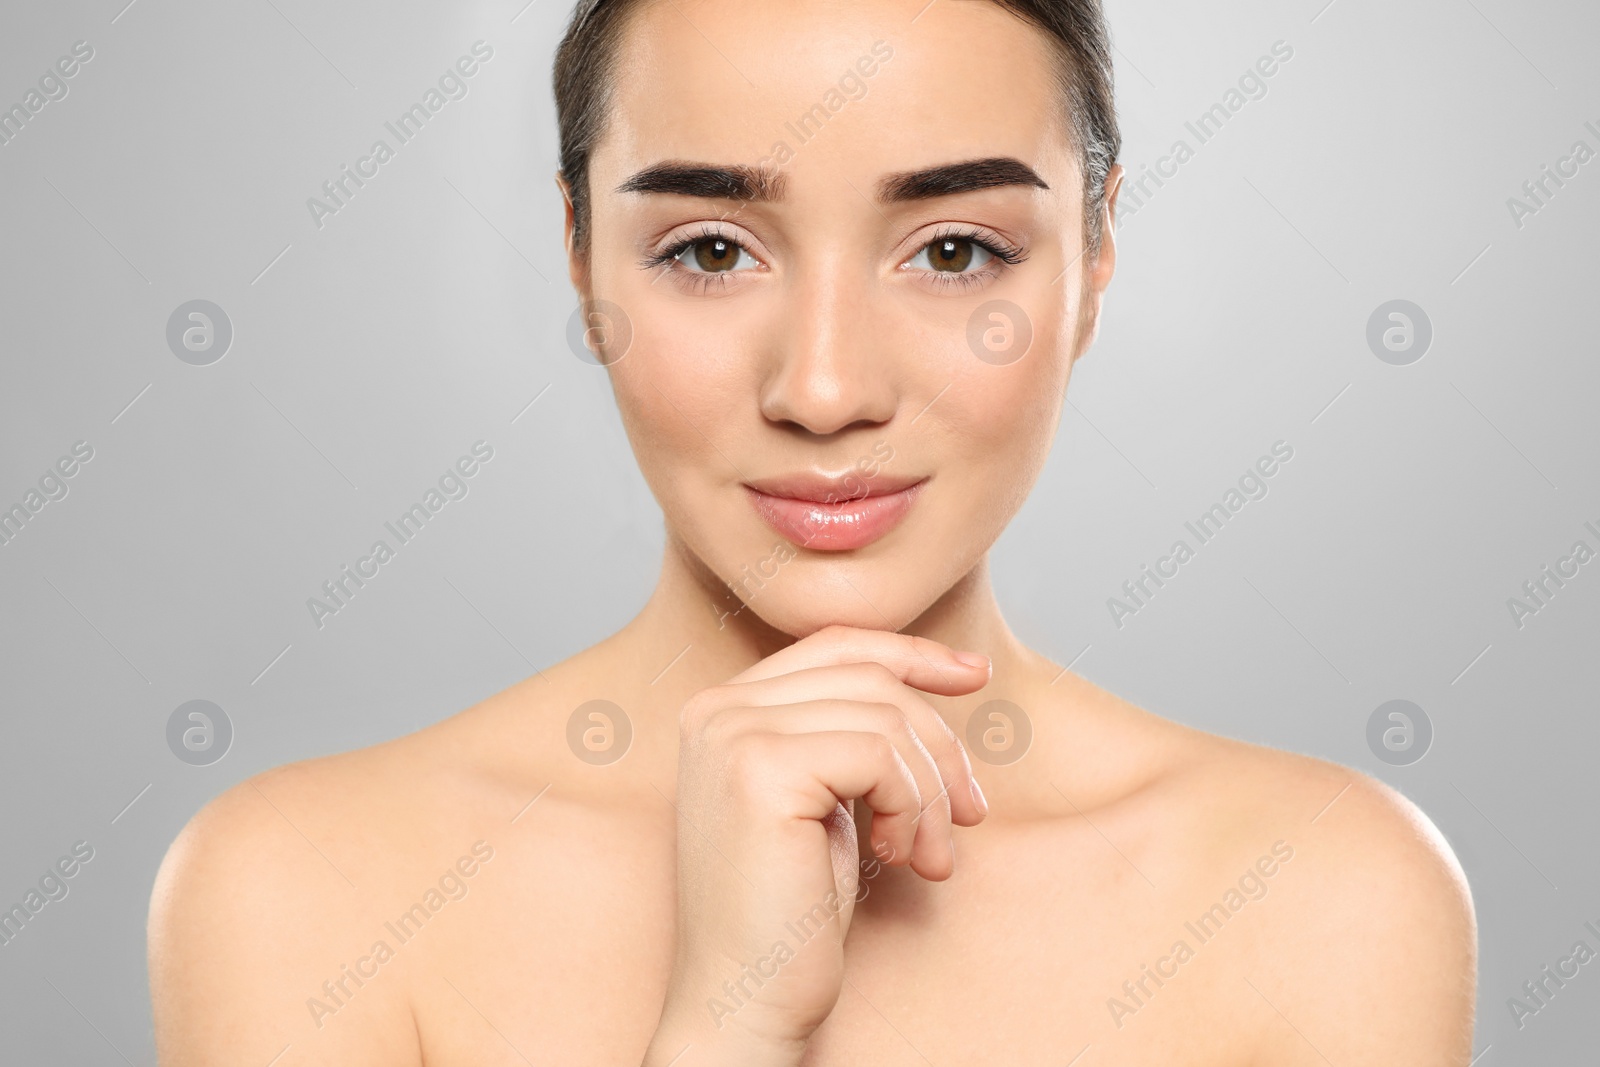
[
  {"x": 651, "y": 402},
  {"x": 683, "y": 396},
  {"x": 1004, "y": 429},
  {"x": 1004, "y": 417}
]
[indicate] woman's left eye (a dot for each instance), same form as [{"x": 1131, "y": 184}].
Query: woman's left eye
[{"x": 951, "y": 255}]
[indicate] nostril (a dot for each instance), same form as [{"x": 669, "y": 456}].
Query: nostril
[
  {"x": 810, "y": 431},
  {"x": 823, "y": 405}
]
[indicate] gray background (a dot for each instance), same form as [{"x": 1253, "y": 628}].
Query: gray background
[{"x": 370, "y": 353}]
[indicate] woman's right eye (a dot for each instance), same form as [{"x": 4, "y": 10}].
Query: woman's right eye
[{"x": 714, "y": 255}]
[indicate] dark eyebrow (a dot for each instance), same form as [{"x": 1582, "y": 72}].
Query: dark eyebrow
[
  {"x": 952, "y": 178},
  {"x": 735, "y": 182},
  {"x": 755, "y": 185}
]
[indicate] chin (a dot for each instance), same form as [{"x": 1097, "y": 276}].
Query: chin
[
  {"x": 799, "y": 603},
  {"x": 800, "y": 620}
]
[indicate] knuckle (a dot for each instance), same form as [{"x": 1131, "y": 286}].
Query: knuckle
[
  {"x": 883, "y": 748},
  {"x": 877, "y": 678},
  {"x": 725, "y": 726},
  {"x": 887, "y": 718},
  {"x": 694, "y": 709},
  {"x": 702, "y": 707},
  {"x": 886, "y": 722},
  {"x": 945, "y": 737}
]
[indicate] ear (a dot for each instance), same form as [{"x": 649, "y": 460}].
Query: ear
[
  {"x": 1098, "y": 276},
  {"x": 577, "y": 265}
]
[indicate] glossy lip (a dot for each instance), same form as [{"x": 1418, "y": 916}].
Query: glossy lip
[{"x": 833, "y": 514}]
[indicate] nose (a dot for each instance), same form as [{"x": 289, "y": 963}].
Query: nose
[{"x": 828, "y": 370}]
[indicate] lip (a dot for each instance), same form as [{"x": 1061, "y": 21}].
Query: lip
[{"x": 833, "y": 514}]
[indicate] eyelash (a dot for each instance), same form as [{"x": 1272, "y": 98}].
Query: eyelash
[
  {"x": 989, "y": 241},
  {"x": 700, "y": 280}
]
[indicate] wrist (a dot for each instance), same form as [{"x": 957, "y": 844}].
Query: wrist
[{"x": 684, "y": 1038}]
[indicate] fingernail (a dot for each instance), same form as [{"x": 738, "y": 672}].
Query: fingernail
[
  {"x": 978, "y": 797},
  {"x": 973, "y": 659}
]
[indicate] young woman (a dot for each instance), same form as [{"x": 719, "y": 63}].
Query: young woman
[{"x": 828, "y": 809}]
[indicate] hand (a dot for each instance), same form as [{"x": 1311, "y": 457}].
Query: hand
[{"x": 767, "y": 846}]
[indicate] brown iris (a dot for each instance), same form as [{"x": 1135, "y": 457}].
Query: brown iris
[
  {"x": 716, "y": 254},
  {"x": 950, "y": 254}
]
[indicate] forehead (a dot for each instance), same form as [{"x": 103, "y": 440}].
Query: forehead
[{"x": 863, "y": 87}]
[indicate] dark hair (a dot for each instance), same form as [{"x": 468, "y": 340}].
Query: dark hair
[{"x": 585, "y": 67}]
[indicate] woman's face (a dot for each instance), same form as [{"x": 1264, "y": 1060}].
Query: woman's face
[{"x": 848, "y": 240}]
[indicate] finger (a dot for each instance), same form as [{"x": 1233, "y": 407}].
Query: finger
[
  {"x": 932, "y": 821},
  {"x": 849, "y": 765},
  {"x": 919, "y": 662},
  {"x": 875, "y": 683}
]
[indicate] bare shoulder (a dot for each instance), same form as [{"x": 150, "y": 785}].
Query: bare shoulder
[
  {"x": 272, "y": 916},
  {"x": 1358, "y": 906},
  {"x": 251, "y": 897},
  {"x": 1374, "y": 923}
]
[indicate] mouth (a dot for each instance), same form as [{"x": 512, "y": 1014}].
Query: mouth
[{"x": 833, "y": 514}]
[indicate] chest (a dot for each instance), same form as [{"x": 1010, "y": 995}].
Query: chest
[{"x": 1017, "y": 959}]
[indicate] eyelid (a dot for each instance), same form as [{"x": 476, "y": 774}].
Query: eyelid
[
  {"x": 1003, "y": 248},
  {"x": 680, "y": 238}
]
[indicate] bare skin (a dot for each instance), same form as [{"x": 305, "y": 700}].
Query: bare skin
[{"x": 589, "y": 913}]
